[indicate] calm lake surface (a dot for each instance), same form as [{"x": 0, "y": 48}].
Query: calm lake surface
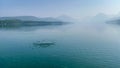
[{"x": 76, "y": 46}]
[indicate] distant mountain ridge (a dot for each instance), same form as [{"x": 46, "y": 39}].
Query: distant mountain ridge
[
  {"x": 62, "y": 18},
  {"x": 29, "y": 18},
  {"x": 20, "y": 21},
  {"x": 114, "y": 20}
]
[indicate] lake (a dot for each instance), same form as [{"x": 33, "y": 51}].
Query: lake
[{"x": 76, "y": 46}]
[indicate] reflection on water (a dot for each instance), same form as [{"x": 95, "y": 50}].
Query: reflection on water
[
  {"x": 76, "y": 46},
  {"x": 31, "y": 28},
  {"x": 43, "y": 44}
]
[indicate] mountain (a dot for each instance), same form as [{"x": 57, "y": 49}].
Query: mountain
[
  {"x": 20, "y": 21},
  {"x": 29, "y": 18},
  {"x": 62, "y": 18},
  {"x": 115, "y": 21},
  {"x": 23, "y": 18},
  {"x": 49, "y": 19}
]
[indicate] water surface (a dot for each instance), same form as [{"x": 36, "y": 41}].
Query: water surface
[{"x": 76, "y": 46}]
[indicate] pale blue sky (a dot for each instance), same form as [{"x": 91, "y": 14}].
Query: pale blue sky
[{"x": 54, "y": 8}]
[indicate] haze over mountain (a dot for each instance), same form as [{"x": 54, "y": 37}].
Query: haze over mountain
[
  {"x": 27, "y": 18},
  {"x": 98, "y": 18},
  {"x": 114, "y": 19},
  {"x": 20, "y": 21},
  {"x": 33, "y": 18},
  {"x": 66, "y": 18}
]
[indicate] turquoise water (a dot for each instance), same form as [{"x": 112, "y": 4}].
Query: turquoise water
[{"x": 76, "y": 46}]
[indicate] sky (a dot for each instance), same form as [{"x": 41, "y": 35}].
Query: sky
[{"x": 54, "y": 8}]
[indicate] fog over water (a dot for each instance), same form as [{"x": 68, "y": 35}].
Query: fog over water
[
  {"x": 59, "y": 33},
  {"x": 77, "y": 45}
]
